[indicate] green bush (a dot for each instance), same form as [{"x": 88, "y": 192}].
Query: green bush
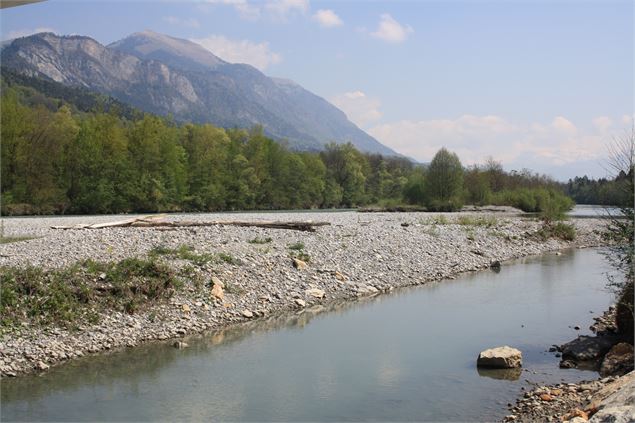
[
  {"x": 550, "y": 203},
  {"x": 79, "y": 292},
  {"x": 559, "y": 230}
]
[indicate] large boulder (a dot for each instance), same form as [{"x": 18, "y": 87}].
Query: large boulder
[
  {"x": 618, "y": 361},
  {"x": 586, "y": 348},
  {"x": 619, "y": 405},
  {"x": 500, "y": 358}
]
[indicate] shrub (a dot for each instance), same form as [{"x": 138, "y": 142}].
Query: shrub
[
  {"x": 559, "y": 230},
  {"x": 79, "y": 292}
]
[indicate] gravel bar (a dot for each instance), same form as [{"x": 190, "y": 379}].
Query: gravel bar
[{"x": 358, "y": 255}]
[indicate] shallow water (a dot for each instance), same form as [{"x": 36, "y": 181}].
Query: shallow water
[
  {"x": 409, "y": 355},
  {"x": 591, "y": 210}
]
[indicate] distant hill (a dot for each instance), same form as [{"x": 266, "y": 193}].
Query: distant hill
[{"x": 165, "y": 75}]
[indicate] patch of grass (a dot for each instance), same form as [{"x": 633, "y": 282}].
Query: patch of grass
[
  {"x": 9, "y": 239},
  {"x": 301, "y": 255},
  {"x": 471, "y": 236},
  {"x": 487, "y": 221},
  {"x": 258, "y": 240},
  {"x": 560, "y": 230},
  {"x": 229, "y": 259},
  {"x": 297, "y": 251},
  {"x": 435, "y": 220},
  {"x": 298, "y": 246},
  {"x": 79, "y": 292}
]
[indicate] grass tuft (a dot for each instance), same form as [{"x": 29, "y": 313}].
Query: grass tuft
[
  {"x": 9, "y": 239},
  {"x": 258, "y": 240}
]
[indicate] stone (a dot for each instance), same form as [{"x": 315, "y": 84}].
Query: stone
[
  {"x": 42, "y": 365},
  {"x": 546, "y": 397},
  {"x": 578, "y": 420},
  {"x": 180, "y": 345},
  {"x": 216, "y": 281},
  {"x": 576, "y": 413},
  {"x": 495, "y": 264},
  {"x": 186, "y": 308},
  {"x": 618, "y": 361},
  {"x": 500, "y": 358},
  {"x": 339, "y": 276},
  {"x": 299, "y": 264},
  {"x": 300, "y": 302},
  {"x": 567, "y": 364},
  {"x": 248, "y": 314},
  {"x": 585, "y": 348},
  {"x": 315, "y": 292},
  {"x": 217, "y": 292}
]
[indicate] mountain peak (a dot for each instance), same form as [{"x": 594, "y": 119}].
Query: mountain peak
[{"x": 176, "y": 52}]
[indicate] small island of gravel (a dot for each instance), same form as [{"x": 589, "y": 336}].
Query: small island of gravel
[{"x": 230, "y": 274}]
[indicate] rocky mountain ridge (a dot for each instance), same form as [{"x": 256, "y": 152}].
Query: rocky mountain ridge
[{"x": 165, "y": 75}]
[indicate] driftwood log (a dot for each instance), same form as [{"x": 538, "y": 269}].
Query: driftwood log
[{"x": 158, "y": 221}]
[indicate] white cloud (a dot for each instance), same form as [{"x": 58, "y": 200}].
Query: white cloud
[
  {"x": 245, "y": 9},
  {"x": 258, "y": 55},
  {"x": 189, "y": 23},
  {"x": 537, "y": 146},
  {"x": 327, "y": 18},
  {"x": 359, "y": 108},
  {"x": 273, "y": 9},
  {"x": 283, "y": 8},
  {"x": 602, "y": 123},
  {"x": 26, "y": 32},
  {"x": 391, "y": 31},
  {"x": 564, "y": 125},
  {"x": 628, "y": 120}
]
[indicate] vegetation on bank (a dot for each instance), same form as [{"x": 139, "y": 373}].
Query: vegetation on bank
[{"x": 77, "y": 294}]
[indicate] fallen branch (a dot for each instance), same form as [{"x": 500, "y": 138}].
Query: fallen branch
[{"x": 158, "y": 221}]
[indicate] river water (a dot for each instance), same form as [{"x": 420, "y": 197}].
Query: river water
[{"x": 409, "y": 355}]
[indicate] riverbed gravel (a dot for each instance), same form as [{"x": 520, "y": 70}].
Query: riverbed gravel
[{"x": 357, "y": 255}]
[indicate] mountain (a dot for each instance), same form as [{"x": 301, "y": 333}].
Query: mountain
[{"x": 166, "y": 75}]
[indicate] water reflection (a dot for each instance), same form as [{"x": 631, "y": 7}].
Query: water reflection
[{"x": 500, "y": 374}]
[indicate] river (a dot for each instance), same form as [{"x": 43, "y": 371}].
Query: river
[{"x": 408, "y": 355}]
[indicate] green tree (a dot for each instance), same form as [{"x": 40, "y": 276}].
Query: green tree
[
  {"x": 346, "y": 167},
  {"x": 444, "y": 182}
]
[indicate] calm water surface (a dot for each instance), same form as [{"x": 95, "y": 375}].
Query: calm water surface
[
  {"x": 406, "y": 356},
  {"x": 591, "y": 210}
]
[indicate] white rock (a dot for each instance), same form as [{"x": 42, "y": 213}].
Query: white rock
[
  {"x": 216, "y": 281},
  {"x": 501, "y": 358},
  {"x": 315, "y": 292}
]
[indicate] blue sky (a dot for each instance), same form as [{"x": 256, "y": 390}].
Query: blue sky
[{"x": 537, "y": 84}]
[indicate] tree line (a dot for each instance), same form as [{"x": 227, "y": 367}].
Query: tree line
[{"x": 57, "y": 158}]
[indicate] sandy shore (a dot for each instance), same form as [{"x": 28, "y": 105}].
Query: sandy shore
[{"x": 359, "y": 254}]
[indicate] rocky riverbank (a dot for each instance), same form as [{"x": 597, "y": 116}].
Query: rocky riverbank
[
  {"x": 237, "y": 274},
  {"x": 609, "y": 399}
]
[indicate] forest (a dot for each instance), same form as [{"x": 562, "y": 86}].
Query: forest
[{"x": 64, "y": 156}]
